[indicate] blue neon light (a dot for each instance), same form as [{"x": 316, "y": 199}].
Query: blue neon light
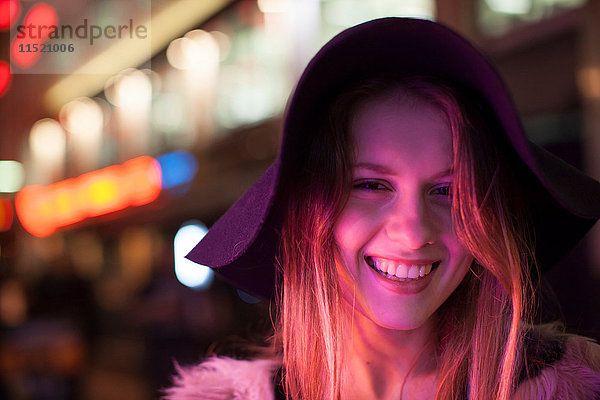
[{"x": 177, "y": 168}]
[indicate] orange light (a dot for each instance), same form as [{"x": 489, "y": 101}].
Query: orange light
[
  {"x": 6, "y": 215},
  {"x": 43, "y": 209}
]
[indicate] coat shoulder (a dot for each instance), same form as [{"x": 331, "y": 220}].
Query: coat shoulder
[
  {"x": 224, "y": 378},
  {"x": 575, "y": 375}
]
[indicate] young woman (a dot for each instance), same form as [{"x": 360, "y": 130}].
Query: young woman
[{"x": 401, "y": 232}]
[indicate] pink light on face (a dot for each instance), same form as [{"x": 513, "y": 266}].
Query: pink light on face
[
  {"x": 398, "y": 216},
  {"x": 34, "y": 31}
]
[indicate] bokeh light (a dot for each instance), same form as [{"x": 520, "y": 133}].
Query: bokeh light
[
  {"x": 13, "y": 303},
  {"x": 187, "y": 272},
  {"x": 12, "y": 176},
  {"x": 510, "y": 6},
  {"x": 47, "y": 141},
  {"x": 82, "y": 118},
  {"x": 179, "y": 51},
  {"x": 39, "y": 15},
  {"x": 6, "y": 214},
  {"x": 274, "y": 6},
  {"x": 345, "y": 13},
  {"x": 131, "y": 92},
  {"x": 9, "y": 11},
  {"x": 43, "y": 209},
  {"x": 5, "y": 77},
  {"x": 197, "y": 50},
  {"x": 224, "y": 43},
  {"x": 130, "y": 89},
  {"x": 588, "y": 81},
  {"x": 177, "y": 168}
]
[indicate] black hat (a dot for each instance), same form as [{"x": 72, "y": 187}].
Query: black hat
[{"x": 242, "y": 245}]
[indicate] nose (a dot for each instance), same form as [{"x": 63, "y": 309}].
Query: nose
[{"x": 411, "y": 224}]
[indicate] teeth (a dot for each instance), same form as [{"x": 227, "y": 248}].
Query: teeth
[
  {"x": 384, "y": 265},
  {"x": 427, "y": 269},
  {"x": 391, "y": 269},
  {"x": 413, "y": 272},
  {"x": 400, "y": 271}
]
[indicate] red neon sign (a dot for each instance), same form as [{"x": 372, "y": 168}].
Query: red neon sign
[{"x": 43, "y": 209}]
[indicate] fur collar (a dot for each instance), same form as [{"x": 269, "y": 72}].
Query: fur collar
[
  {"x": 576, "y": 375},
  {"x": 224, "y": 378}
]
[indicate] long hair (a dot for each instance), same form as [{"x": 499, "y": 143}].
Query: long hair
[{"x": 480, "y": 326}]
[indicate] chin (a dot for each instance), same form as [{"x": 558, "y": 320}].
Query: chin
[{"x": 398, "y": 321}]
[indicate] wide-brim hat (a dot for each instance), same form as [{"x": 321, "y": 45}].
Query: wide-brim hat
[{"x": 242, "y": 245}]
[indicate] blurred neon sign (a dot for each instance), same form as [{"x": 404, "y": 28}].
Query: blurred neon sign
[
  {"x": 43, "y": 209},
  {"x": 22, "y": 51}
]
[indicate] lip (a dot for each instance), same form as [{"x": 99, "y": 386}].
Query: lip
[{"x": 402, "y": 287}]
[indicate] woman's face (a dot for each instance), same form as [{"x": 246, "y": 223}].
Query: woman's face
[{"x": 395, "y": 234}]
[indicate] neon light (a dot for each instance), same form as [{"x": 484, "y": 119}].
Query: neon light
[
  {"x": 43, "y": 209},
  {"x": 22, "y": 47},
  {"x": 177, "y": 168}
]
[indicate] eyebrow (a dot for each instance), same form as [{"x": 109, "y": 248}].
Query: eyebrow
[
  {"x": 382, "y": 169},
  {"x": 374, "y": 167}
]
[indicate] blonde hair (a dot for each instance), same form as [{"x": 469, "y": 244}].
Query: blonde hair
[{"x": 481, "y": 324}]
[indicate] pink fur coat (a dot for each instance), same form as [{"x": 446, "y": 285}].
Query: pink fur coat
[{"x": 575, "y": 376}]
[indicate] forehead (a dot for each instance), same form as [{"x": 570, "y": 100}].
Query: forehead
[{"x": 402, "y": 130}]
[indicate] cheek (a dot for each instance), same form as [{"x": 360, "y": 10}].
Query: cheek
[
  {"x": 459, "y": 259},
  {"x": 351, "y": 233},
  {"x": 454, "y": 246},
  {"x": 347, "y": 229},
  {"x": 448, "y": 234},
  {"x": 345, "y": 242}
]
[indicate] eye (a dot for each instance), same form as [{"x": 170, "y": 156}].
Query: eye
[
  {"x": 370, "y": 186},
  {"x": 442, "y": 190}
]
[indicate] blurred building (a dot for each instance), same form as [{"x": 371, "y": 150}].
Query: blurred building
[{"x": 115, "y": 156}]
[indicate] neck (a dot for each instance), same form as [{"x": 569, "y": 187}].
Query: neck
[{"x": 386, "y": 363}]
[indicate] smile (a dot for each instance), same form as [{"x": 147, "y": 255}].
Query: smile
[{"x": 397, "y": 271}]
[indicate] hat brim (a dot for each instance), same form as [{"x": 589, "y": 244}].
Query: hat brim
[{"x": 239, "y": 246}]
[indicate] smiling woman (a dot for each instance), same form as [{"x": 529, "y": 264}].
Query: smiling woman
[
  {"x": 397, "y": 222},
  {"x": 405, "y": 201},
  {"x": 400, "y": 255},
  {"x": 401, "y": 233}
]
